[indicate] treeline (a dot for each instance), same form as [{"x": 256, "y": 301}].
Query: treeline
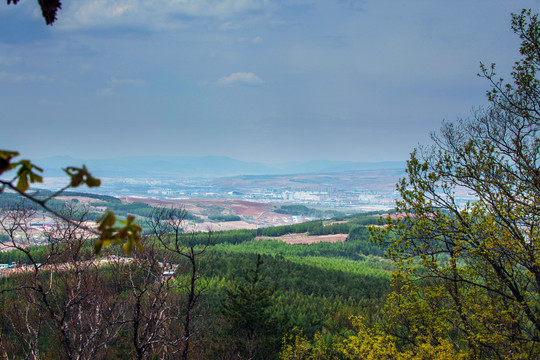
[
  {"x": 224, "y": 218},
  {"x": 41, "y": 253},
  {"x": 138, "y": 208},
  {"x": 13, "y": 201},
  {"x": 303, "y": 210},
  {"x": 356, "y": 245},
  {"x": 365, "y": 218},
  {"x": 43, "y": 194}
]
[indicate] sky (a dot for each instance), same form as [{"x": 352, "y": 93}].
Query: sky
[{"x": 255, "y": 80}]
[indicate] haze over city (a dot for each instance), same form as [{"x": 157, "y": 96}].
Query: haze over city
[{"x": 252, "y": 80}]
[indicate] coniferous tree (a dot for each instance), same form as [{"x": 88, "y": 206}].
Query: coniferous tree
[{"x": 251, "y": 326}]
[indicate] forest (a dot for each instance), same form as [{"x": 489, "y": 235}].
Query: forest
[
  {"x": 306, "y": 211},
  {"x": 61, "y": 287}
]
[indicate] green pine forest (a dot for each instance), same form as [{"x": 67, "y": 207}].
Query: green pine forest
[{"x": 315, "y": 288}]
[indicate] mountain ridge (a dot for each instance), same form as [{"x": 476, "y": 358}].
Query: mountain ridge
[{"x": 203, "y": 166}]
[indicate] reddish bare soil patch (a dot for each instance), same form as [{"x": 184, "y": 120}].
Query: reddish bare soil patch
[
  {"x": 249, "y": 209},
  {"x": 196, "y": 206},
  {"x": 306, "y": 239}
]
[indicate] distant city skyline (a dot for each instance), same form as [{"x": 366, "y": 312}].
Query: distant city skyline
[{"x": 254, "y": 80}]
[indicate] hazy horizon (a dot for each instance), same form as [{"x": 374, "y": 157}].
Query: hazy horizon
[
  {"x": 174, "y": 167},
  {"x": 264, "y": 81},
  {"x": 278, "y": 162}
]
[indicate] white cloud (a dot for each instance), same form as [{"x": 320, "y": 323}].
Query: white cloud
[
  {"x": 118, "y": 10},
  {"x": 94, "y": 10},
  {"x": 240, "y": 78}
]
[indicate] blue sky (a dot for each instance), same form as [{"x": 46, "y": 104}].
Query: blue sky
[{"x": 256, "y": 80}]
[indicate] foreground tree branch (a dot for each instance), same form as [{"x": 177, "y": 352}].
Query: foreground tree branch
[{"x": 108, "y": 231}]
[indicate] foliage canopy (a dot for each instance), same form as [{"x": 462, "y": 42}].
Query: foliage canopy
[
  {"x": 467, "y": 284},
  {"x": 469, "y": 273}
]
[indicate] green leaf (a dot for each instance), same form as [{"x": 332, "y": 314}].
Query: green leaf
[
  {"x": 26, "y": 174},
  {"x": 5, "y": 159},
  {"x": 129, "y": 234},
  {"x": 7, "y": 154},
  {"x": 107, "y": 220},
  {"x": 139, "y": 245},
  {"x": 81, "y": 176},
  {"x": 128, "y": 247},
  {"x": 97, "y": 246},
  {"x": 22, "y": 184}
]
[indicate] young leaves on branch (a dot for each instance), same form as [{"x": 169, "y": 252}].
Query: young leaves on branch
[
  {"x": 26, "y": 173},
  {"x": 129, "y": 234},
  {"x": 81, "y": 176},
  {"x": 5, "y": 159}
]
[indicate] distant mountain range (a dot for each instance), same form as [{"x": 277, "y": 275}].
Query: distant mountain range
[{"x": 202, "y": 167}]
